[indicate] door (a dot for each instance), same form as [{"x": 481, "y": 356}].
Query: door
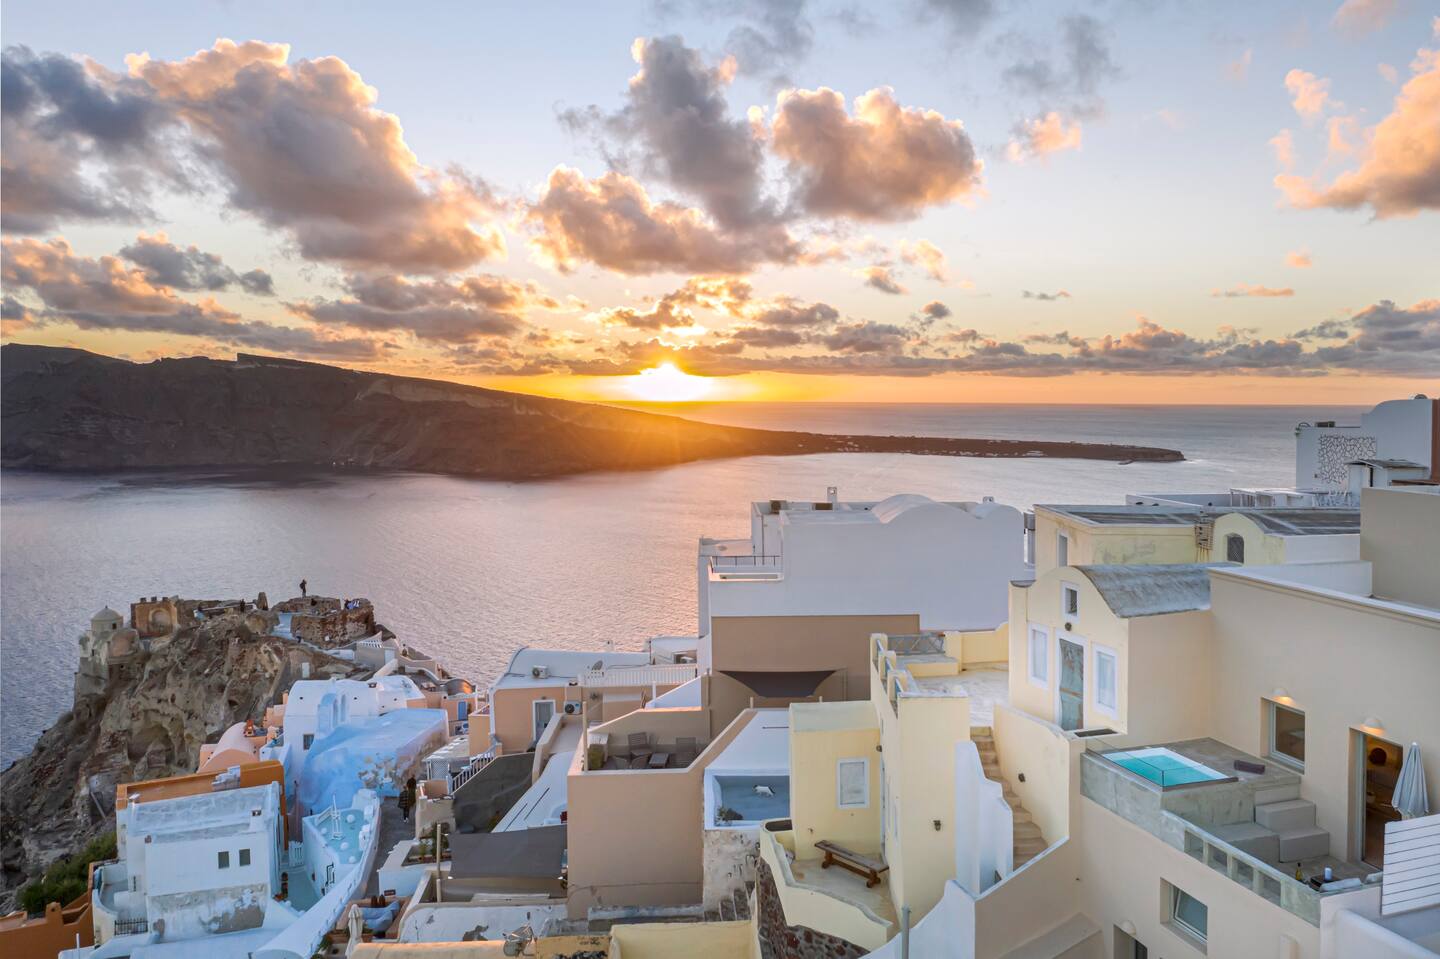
[
  {"x": 1072, "y": 685},
  {"x": 544, "y": 710},
  {"x": 1380, "y": 761}
]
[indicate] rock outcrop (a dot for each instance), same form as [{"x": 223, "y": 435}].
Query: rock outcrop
[
  {"x": 146, "y": 722},
  {"x": 66, "y": 409}
]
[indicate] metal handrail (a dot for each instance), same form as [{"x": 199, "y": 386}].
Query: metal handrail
[
  {"x": 747, "y": 559},
  {"x": 467, "y": 772}
]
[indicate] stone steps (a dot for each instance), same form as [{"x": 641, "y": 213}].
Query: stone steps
[{"x": 1029, "y": 840}]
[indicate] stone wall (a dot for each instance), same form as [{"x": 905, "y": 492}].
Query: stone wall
[
  {"x": 488, "y": 795},
  {"x": 781, "y": 941},
  {"x": 326, "y": 621}
]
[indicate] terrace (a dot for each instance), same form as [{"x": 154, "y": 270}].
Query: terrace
[
  {"x": 834, "y": 901},
  {"x": 931, "y": 664},
  {"x": 1238, "y": 814}
]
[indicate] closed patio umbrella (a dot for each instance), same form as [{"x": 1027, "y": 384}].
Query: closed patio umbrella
[{"x": 1410, "y": 799}]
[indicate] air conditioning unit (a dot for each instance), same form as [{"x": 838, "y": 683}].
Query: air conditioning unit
[
  {"x": 539, "y": 672},
  {"x": 572, "y": 709}
]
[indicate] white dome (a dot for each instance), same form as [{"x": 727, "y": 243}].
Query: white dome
[{"x": 106, "y": 618}]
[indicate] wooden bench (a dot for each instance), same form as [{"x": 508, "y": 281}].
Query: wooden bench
[{"x": 837, "y": 855}]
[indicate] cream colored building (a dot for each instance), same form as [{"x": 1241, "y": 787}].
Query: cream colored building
[{"x": 1106, "y": 535}]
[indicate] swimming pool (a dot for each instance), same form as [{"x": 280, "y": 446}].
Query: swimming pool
[
  {"x": 1164, "y": 767},
  {"x": 737, "y": 794}
]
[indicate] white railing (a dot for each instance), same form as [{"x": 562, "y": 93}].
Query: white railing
[
  {"x": 1293, "y": 895},
  {"x": 466, "y": 773},
  {"x": 659, "y": 675}
]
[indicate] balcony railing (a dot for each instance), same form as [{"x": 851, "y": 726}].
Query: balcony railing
[
  {"x": 672, "y": 674},
  {"x": 1293, "y": 895},
  {"x": 744, "y": 560},
  {"x": 130, "y": 927},
  {"x": 467, "y": 772}
]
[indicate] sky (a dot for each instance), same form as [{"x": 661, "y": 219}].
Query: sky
[{"x": 922, "y": 200}]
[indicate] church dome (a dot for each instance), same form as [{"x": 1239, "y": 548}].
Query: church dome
[{"x": 106, "y": 621}]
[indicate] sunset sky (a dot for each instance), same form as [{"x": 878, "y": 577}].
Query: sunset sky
[{"x": 927, "y": 200}]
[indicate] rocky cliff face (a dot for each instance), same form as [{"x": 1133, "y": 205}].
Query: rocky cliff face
[
  {"x": 68, "y": 409},
  {"x": 148, "y": 725}
]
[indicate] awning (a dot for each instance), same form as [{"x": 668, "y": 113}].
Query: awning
[
  {"x": 778, "y": 684},
  {"x": 535, "y": 853}
]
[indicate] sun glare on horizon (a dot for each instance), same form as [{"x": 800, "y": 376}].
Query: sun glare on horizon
[{"x": 667, "y": 383}]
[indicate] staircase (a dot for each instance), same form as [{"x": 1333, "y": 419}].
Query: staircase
[
  {"x": 1029, "y": 842},
  {"x": 732, "y": 907}
]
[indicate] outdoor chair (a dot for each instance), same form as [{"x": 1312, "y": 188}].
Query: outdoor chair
[
  {"x": 685, "y": 751},
  {"x": 640, "y": 745}
]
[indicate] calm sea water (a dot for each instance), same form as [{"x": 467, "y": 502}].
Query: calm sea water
[{"x": 470, "y": 569}]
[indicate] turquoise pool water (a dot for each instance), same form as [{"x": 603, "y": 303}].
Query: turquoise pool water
[{"x": 1165, "y": 768}]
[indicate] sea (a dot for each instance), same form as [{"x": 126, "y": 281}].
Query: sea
[{"x": 470, "y": 569}]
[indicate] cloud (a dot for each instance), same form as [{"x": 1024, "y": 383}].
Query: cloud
[
  {"x": 1359, "y": 17},
  {"x": 1073, "y": 76},
  {"x": 1283, "y": 143},
  {"x": 965, "y": 18},
  {"x": 935, "y": 310},
  {"x": 879, "y": 277},
  {"x": 867, "y": 337},
  {"x": 1062, "y": 338},
  {"x": 1239, "y": 68},
  {"x": 1325, "y": 330},
  {"x": 884, "y": 163},
  {"x": 1251, "y": 289},
  {"x": 775, "y": 35},
  {"x": 1057, "y": 295},
  {"x": 60, "y": 120},
  {"x": 1310, "y": 94},
  {"x": 1042, "y": 136},
  {"x": 191, "y": 269},
  {"x": 1300, "y": 259},
  {"x": 766, "y": 337},
  {"x": 927, "y": 256},
  {"x": 1388, "y": 73},
  {"x": 449, "y": 311},
  {"x": 301, "y": 147},
  {"x": 612, "y": 222},
  {"x": 1399, "y": 171},
  {"x": 676, "y": 126},
  {"x": 105, "y": 294}
]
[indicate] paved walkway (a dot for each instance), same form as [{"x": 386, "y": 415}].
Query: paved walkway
[{"x": 393, "y": 829}]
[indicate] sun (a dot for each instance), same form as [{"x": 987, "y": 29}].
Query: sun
[{"x": 667, "y": 383}]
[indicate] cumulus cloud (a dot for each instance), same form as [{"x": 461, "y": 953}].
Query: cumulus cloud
[
  {"x": 302, "y": 147},
  {"x": 1252, "y": 289},
  {"x": 773, "y": 35},
  {"x": 927, "y": 256},
  {"x": 1042, "y": 136},
  {"x": 612, "y": 222},
  {"x": 935, "y": 310},
  {"x": 1309, "y": 94},
  {"x": 1034, "y": 295},
  {"x": 867, "y": 337},
  {"x": 880, "y": 277},
  {"x": 59, "y": 120},
  {"x": 105, "y": 294},
  {"x": 1399, "y": 171},
  {"x": 191, "y": 269},
  {"x": 1324, "y": 330},
  {"x": 1062, "y": 338},
  {"x": 1359, "y": 17},
  {"x": 1299, "y": 259},
  {"x": 676, "y": 126},
  {"x": 886, "y": 162}
]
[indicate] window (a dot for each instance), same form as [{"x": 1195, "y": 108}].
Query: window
[
  {"x": 1287, "y": 734},
  {"x": 306, "y": 740},
  {"x": 223, "y": 857},
  {"x": 1107, "y": 671},
  {"x": 244, "y": 857},
  {"x": 1039, "y": 656},
  {"x": 852, "y": 783},
  {"x": 1070, "y": 600},
  {"x": 1062, "y": 549},
  {"x": 1189, "y": 915},
  {"x": 1235, "y": 548}
]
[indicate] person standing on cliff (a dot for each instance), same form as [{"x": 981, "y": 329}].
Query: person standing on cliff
[{"x": 303, "y": 588}]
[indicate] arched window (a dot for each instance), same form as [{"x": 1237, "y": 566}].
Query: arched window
[{"x": 1235, "y": 548}]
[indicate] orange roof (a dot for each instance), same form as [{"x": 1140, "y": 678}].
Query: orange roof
[{"x": 195, "y": 784}]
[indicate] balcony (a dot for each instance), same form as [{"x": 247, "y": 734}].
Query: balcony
[
  {"x": 833, "y": 901},
  {"x": 737, "y": 560},
  {"x": 1193, "y": 797},
  {"x": 664, "y": 674}
]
